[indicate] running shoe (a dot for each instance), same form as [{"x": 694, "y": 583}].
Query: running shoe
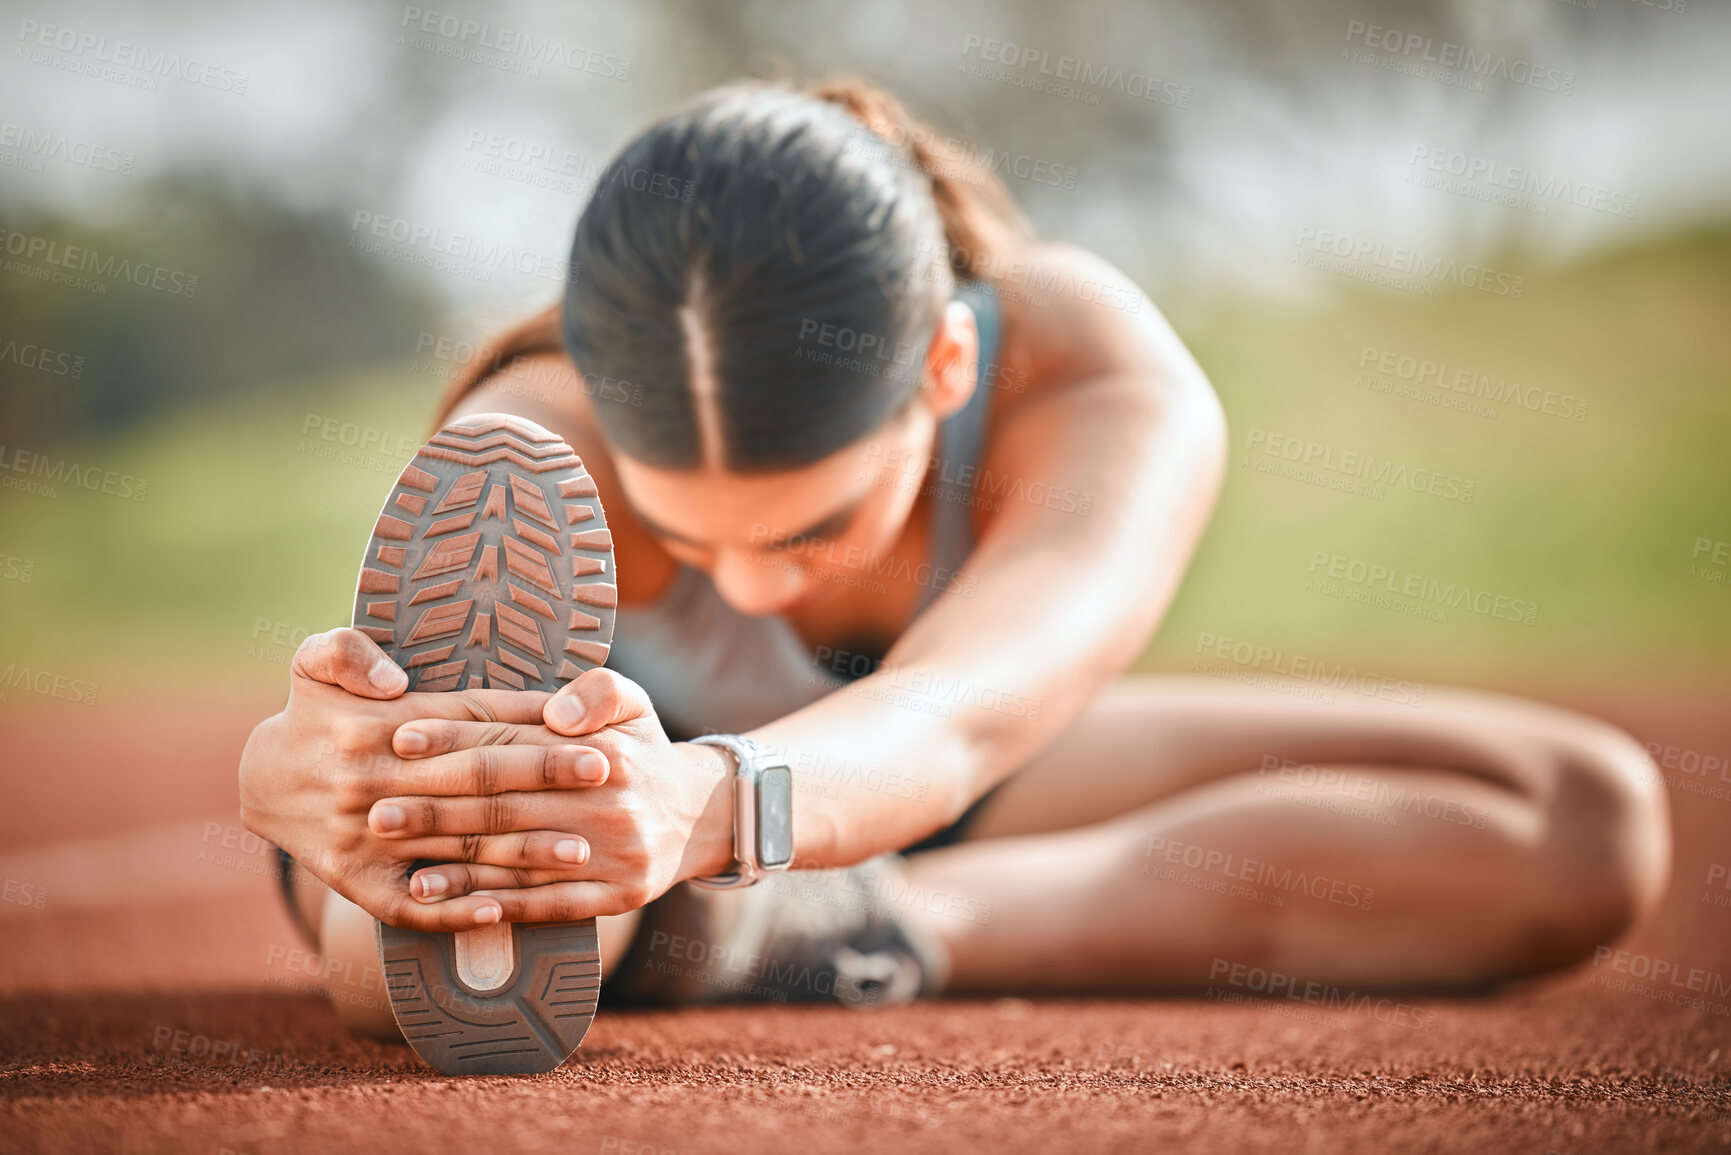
[
  {"x": 837, "y": 936},
  {"x": 491, "y": 566}
]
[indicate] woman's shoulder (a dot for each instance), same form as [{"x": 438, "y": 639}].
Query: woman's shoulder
[
  {"x": 1067, "y": 314},
  {"x": 547, "y": 389}
]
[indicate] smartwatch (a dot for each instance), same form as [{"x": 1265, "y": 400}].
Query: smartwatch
[{"x": 762, "y": 813}]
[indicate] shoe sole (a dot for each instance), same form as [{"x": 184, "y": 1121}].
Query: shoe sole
[{"x": 491, "y": 566}]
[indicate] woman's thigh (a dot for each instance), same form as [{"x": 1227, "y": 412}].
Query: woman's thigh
[{"x": 1149, "y": 737}]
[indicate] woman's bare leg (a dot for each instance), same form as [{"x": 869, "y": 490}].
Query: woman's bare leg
[
  {"x": 351, "y": 954},
  {"x": 1499, "y": 837},
  {"x": 1184, "y": 824}
]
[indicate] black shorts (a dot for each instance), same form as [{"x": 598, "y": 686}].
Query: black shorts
[{"x": 954, "y": 832}]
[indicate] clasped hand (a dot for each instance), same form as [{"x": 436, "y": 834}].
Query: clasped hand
[{"x": 535, "y": 807}]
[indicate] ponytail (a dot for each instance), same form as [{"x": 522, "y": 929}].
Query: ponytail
[
  {"x": 982, "y": 224},
  {"x": 527, "y": 338}
]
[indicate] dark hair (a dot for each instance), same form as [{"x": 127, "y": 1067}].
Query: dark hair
[{"x": 757, "y": 214}]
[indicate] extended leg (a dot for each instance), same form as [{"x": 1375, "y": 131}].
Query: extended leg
[{"x": 1182, "y": 822}]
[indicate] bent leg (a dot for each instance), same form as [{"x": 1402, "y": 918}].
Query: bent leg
[{"x": 1182, "y": 822}]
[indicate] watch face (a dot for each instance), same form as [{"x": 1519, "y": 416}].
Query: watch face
[{"x": 775, "y": 816}]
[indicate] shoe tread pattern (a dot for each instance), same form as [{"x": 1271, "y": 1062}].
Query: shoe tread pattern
[{"x": 491, "y": 566}]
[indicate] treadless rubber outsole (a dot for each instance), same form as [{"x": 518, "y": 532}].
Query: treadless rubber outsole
[{"x": 491, "y": 566}]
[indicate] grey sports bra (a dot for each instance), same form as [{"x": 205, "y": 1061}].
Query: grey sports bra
[{"x": 709, "y": 668}]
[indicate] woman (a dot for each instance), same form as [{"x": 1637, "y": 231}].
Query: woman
[{"x": 971, "y": 486}]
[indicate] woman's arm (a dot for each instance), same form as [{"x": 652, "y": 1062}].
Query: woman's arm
[
  {"x": 1060, "y": 596},
  {"x": 1061, "y": 593}
]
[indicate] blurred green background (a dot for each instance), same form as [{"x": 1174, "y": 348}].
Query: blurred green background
[
  {"x": 249, "y": 531},
  {"x": 246, "y": 530}
]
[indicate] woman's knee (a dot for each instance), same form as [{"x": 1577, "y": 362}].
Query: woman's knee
[
  {"x": 1608, "y": 844},
  {"x": 353, "y": 974}
]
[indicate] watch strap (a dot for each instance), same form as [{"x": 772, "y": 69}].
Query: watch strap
[{"x": 746, "y": 756}]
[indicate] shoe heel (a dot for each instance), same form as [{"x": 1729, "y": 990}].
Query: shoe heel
[
  {"x": 523, "y": 1017},
  {"x": 491, "y": 565}
]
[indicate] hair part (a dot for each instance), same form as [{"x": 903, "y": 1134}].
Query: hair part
[{"x": 727, "y": 233}]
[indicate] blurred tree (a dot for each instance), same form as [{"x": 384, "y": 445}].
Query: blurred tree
[{"x": 279, "y": 300}]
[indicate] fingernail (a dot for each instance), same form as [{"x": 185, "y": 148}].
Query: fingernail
[
  {"x": 387, "y": 818},
  {"x": 386, "y": 676},
  {"x": 432, "y": 885},
  {"x": 411, "y": 741},
  {"x": 487, "y": 915},
  {"x": 568, "y": 850},
  {"x": 591, "y": 767},
  {"x": 565, "y": 713}
]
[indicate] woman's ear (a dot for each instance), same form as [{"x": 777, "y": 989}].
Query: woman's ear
[{"x": 952, "y": 361}]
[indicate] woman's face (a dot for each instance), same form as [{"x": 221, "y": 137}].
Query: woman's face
[{"x": 779, "y": 542}]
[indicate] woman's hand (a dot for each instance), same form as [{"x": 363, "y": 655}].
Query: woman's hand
[
  {"x": 310, "y": 776},
  {"x": 663, "y": 814}
]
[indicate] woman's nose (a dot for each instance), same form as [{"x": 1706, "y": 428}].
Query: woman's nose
[{"x": 758, "y": 582}]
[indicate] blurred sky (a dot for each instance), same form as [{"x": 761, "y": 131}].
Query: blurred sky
[{"x": 1261, "y": 128}]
